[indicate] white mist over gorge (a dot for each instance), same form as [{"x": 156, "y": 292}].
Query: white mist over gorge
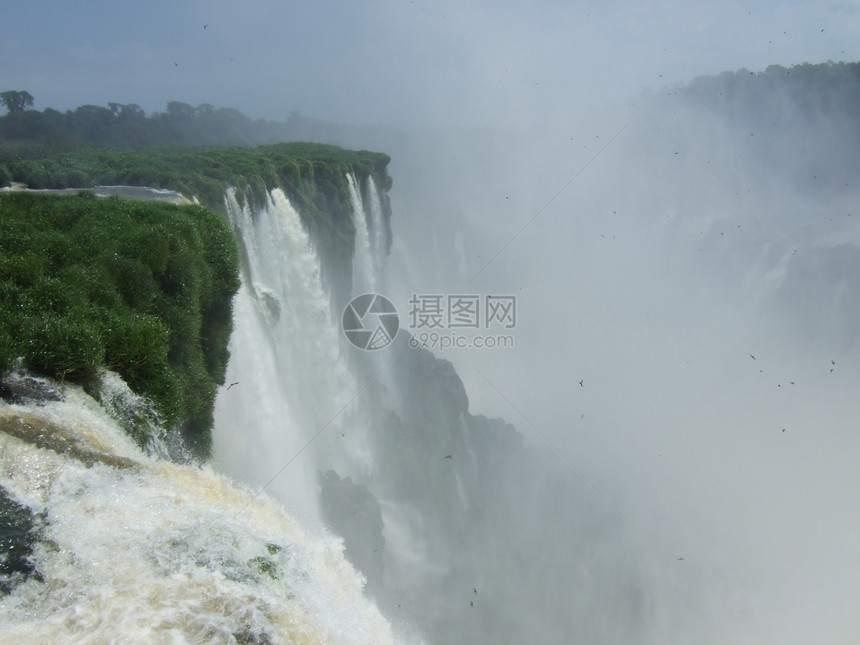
[{"x": 685, "y": 361}]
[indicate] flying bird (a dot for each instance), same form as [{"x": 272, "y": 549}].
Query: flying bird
[
  {"x": 580, "y": 383},
  {"x": 232, "y": 384},
  {"x": 449, "y": 456}
]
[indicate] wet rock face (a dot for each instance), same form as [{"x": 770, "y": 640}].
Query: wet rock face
[
  {"x": 17, "y": 535},
  {"x": 20, "y": 389},
  {"x": 355, "y": 513},
  {"x": 63, "y": 440}
]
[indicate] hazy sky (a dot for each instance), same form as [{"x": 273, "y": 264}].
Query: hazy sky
[{"x": 404, "y": 61}]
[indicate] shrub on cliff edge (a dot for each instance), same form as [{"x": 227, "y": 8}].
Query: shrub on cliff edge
[{"x": 142, "y": 288}]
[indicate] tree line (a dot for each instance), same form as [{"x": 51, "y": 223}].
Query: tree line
[
  {"x": 802, "y": 119},
  {"x": 823, "y": 90},
  {"x": 26, "y": 132}
]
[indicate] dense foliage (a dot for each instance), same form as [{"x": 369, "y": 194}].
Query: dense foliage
[
  {"x": 16, "y": 100},
  {"x": 142, "y": 288},
  {"x": 313, "y": 176},
  {"x": 128, "y": 125},
  {"x": 200, "y": 171},
  {"x": 786, "y": 101},
  {"x": 800, "y": 121},
  {"x": 779, "y": 92}
]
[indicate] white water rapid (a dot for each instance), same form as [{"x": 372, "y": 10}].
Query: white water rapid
[{"x": 137, "y": 549}]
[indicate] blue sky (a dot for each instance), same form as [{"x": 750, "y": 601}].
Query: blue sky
[{"x": 401, "y": 61}]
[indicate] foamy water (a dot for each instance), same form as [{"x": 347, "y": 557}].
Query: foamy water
[{"x": 149, "y": 551}]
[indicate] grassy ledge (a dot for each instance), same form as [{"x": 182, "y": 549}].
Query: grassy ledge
[{"x": 142, "y": 288}]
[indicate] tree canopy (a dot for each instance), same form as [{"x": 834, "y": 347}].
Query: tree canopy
[
  {"x": 16, "y": 100},
  {"x": 119, "y": 124}
]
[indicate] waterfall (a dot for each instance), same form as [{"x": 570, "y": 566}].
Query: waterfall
[
  {"x": 377, "y": 226},
  {"x": 365, "y": 269},
  {"x": 137, "y": 549},
  {"x": 285, "y": 380},
  {"x": 290, "y": 410},
  {"x": 355, "y": 442}
]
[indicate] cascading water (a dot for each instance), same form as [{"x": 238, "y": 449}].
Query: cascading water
[
  {"x": 296, "y": 414},
  {"x": 285, "y": 379},
  {"x": 377, "y": 225},
  {"x": 378, "y": 447},
  {"x": 133, "y": 548},
  {"x": 365, "y": 268}
]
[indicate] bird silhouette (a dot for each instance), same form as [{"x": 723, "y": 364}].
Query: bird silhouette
[{"x": 449, "y": 456}]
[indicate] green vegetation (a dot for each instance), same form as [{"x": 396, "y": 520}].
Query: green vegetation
[
  {"x": 306, "y": 168},
  {"x": 265, "y": 566},
  {"x": 16, "y": 100},
  {"x": 798, "y": 98},
  {"x": 831, "y": 86},
  {"x": 811, "y": 108},
  {"x": 128, "y": 125},
  {"x": 144, "y": 289},
  {"x": 312, "y": 175}
]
